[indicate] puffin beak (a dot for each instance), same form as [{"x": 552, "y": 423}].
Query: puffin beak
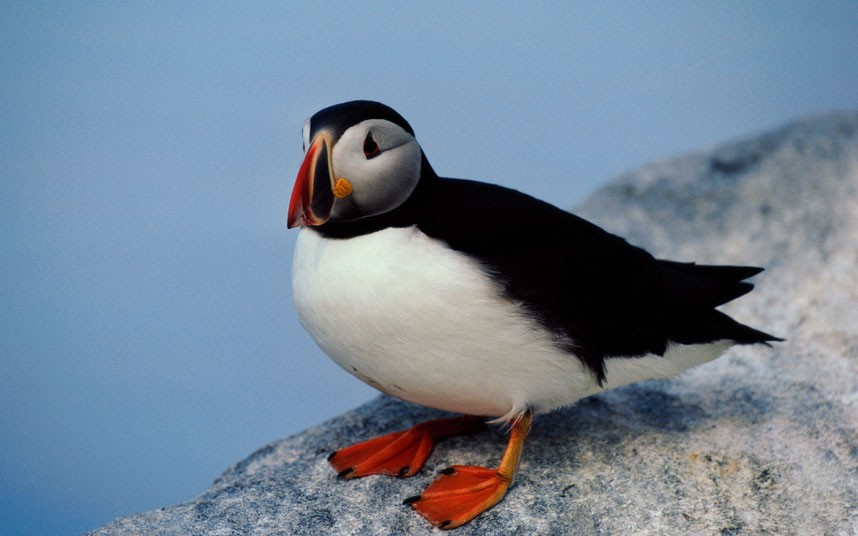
[{"x": 313, "y": 196}]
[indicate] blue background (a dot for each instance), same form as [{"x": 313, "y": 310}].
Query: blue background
[{"x": 147, "y": 153}]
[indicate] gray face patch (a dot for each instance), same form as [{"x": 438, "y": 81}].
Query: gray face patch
[{"x": 382, "y": 181}]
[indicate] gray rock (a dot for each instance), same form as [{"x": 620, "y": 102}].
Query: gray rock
[{"x": 761, "y": 441}]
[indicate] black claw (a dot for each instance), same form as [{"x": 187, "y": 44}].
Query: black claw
[
  {"x": 444, "y": 524},
  {"x": 345, "y": 472},
  {"x": 331, "y": 455},
  {"x": 403, "y": 471},
  {"x": 411, "y": 500},
  {"x": 447, "y": 471}
]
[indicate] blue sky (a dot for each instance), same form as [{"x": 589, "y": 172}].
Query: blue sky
[{"x": 147, "y": 335}]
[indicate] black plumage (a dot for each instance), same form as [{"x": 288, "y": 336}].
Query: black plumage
[{"x": 600, "y": 296}]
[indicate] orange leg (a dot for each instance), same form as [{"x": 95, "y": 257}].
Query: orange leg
[
  {"x": 400, "y": 453},
  {"x": 462, "y": 492}
]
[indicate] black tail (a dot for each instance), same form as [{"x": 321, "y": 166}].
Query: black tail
[
  {"x": 695, "y": 290},
  {"x": 704, "y": 286}
]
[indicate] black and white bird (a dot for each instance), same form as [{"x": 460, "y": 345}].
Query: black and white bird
[{"x": 478, "y": 299}]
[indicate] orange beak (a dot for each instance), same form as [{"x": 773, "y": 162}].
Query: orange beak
[{"x": 312, "y": 195}]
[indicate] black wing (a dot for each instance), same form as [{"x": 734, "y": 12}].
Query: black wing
[{"x": 602, "y": 296}]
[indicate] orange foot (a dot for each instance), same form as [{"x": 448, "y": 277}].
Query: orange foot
[
  {"x": 463, "y": 492},
  {"x": 459, "y": 495},
  {"x": 400, "y": 453}
]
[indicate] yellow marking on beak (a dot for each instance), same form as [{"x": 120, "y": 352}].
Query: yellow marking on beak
[{"x": 342, "y": 188}]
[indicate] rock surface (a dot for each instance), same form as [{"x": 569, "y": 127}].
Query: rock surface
[{"x": 761, "y": 441}]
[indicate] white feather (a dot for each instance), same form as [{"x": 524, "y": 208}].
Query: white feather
[{"x": 417, "y": 320}]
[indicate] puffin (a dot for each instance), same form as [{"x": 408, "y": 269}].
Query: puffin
[{"x": 478, "y": 300}]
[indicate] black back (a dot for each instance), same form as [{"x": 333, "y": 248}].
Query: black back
[{"x": 599, "y": 295}]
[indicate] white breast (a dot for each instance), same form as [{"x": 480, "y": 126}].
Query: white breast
[{"x": 424, "y": 323}]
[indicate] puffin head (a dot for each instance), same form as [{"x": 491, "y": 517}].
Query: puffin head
[{"x": 361, "y": 160}]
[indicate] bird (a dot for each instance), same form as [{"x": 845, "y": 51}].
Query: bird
[{"x": 478, "y": 300}]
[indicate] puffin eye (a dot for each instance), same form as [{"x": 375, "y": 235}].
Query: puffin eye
[{"x": 370, "y": 148}]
